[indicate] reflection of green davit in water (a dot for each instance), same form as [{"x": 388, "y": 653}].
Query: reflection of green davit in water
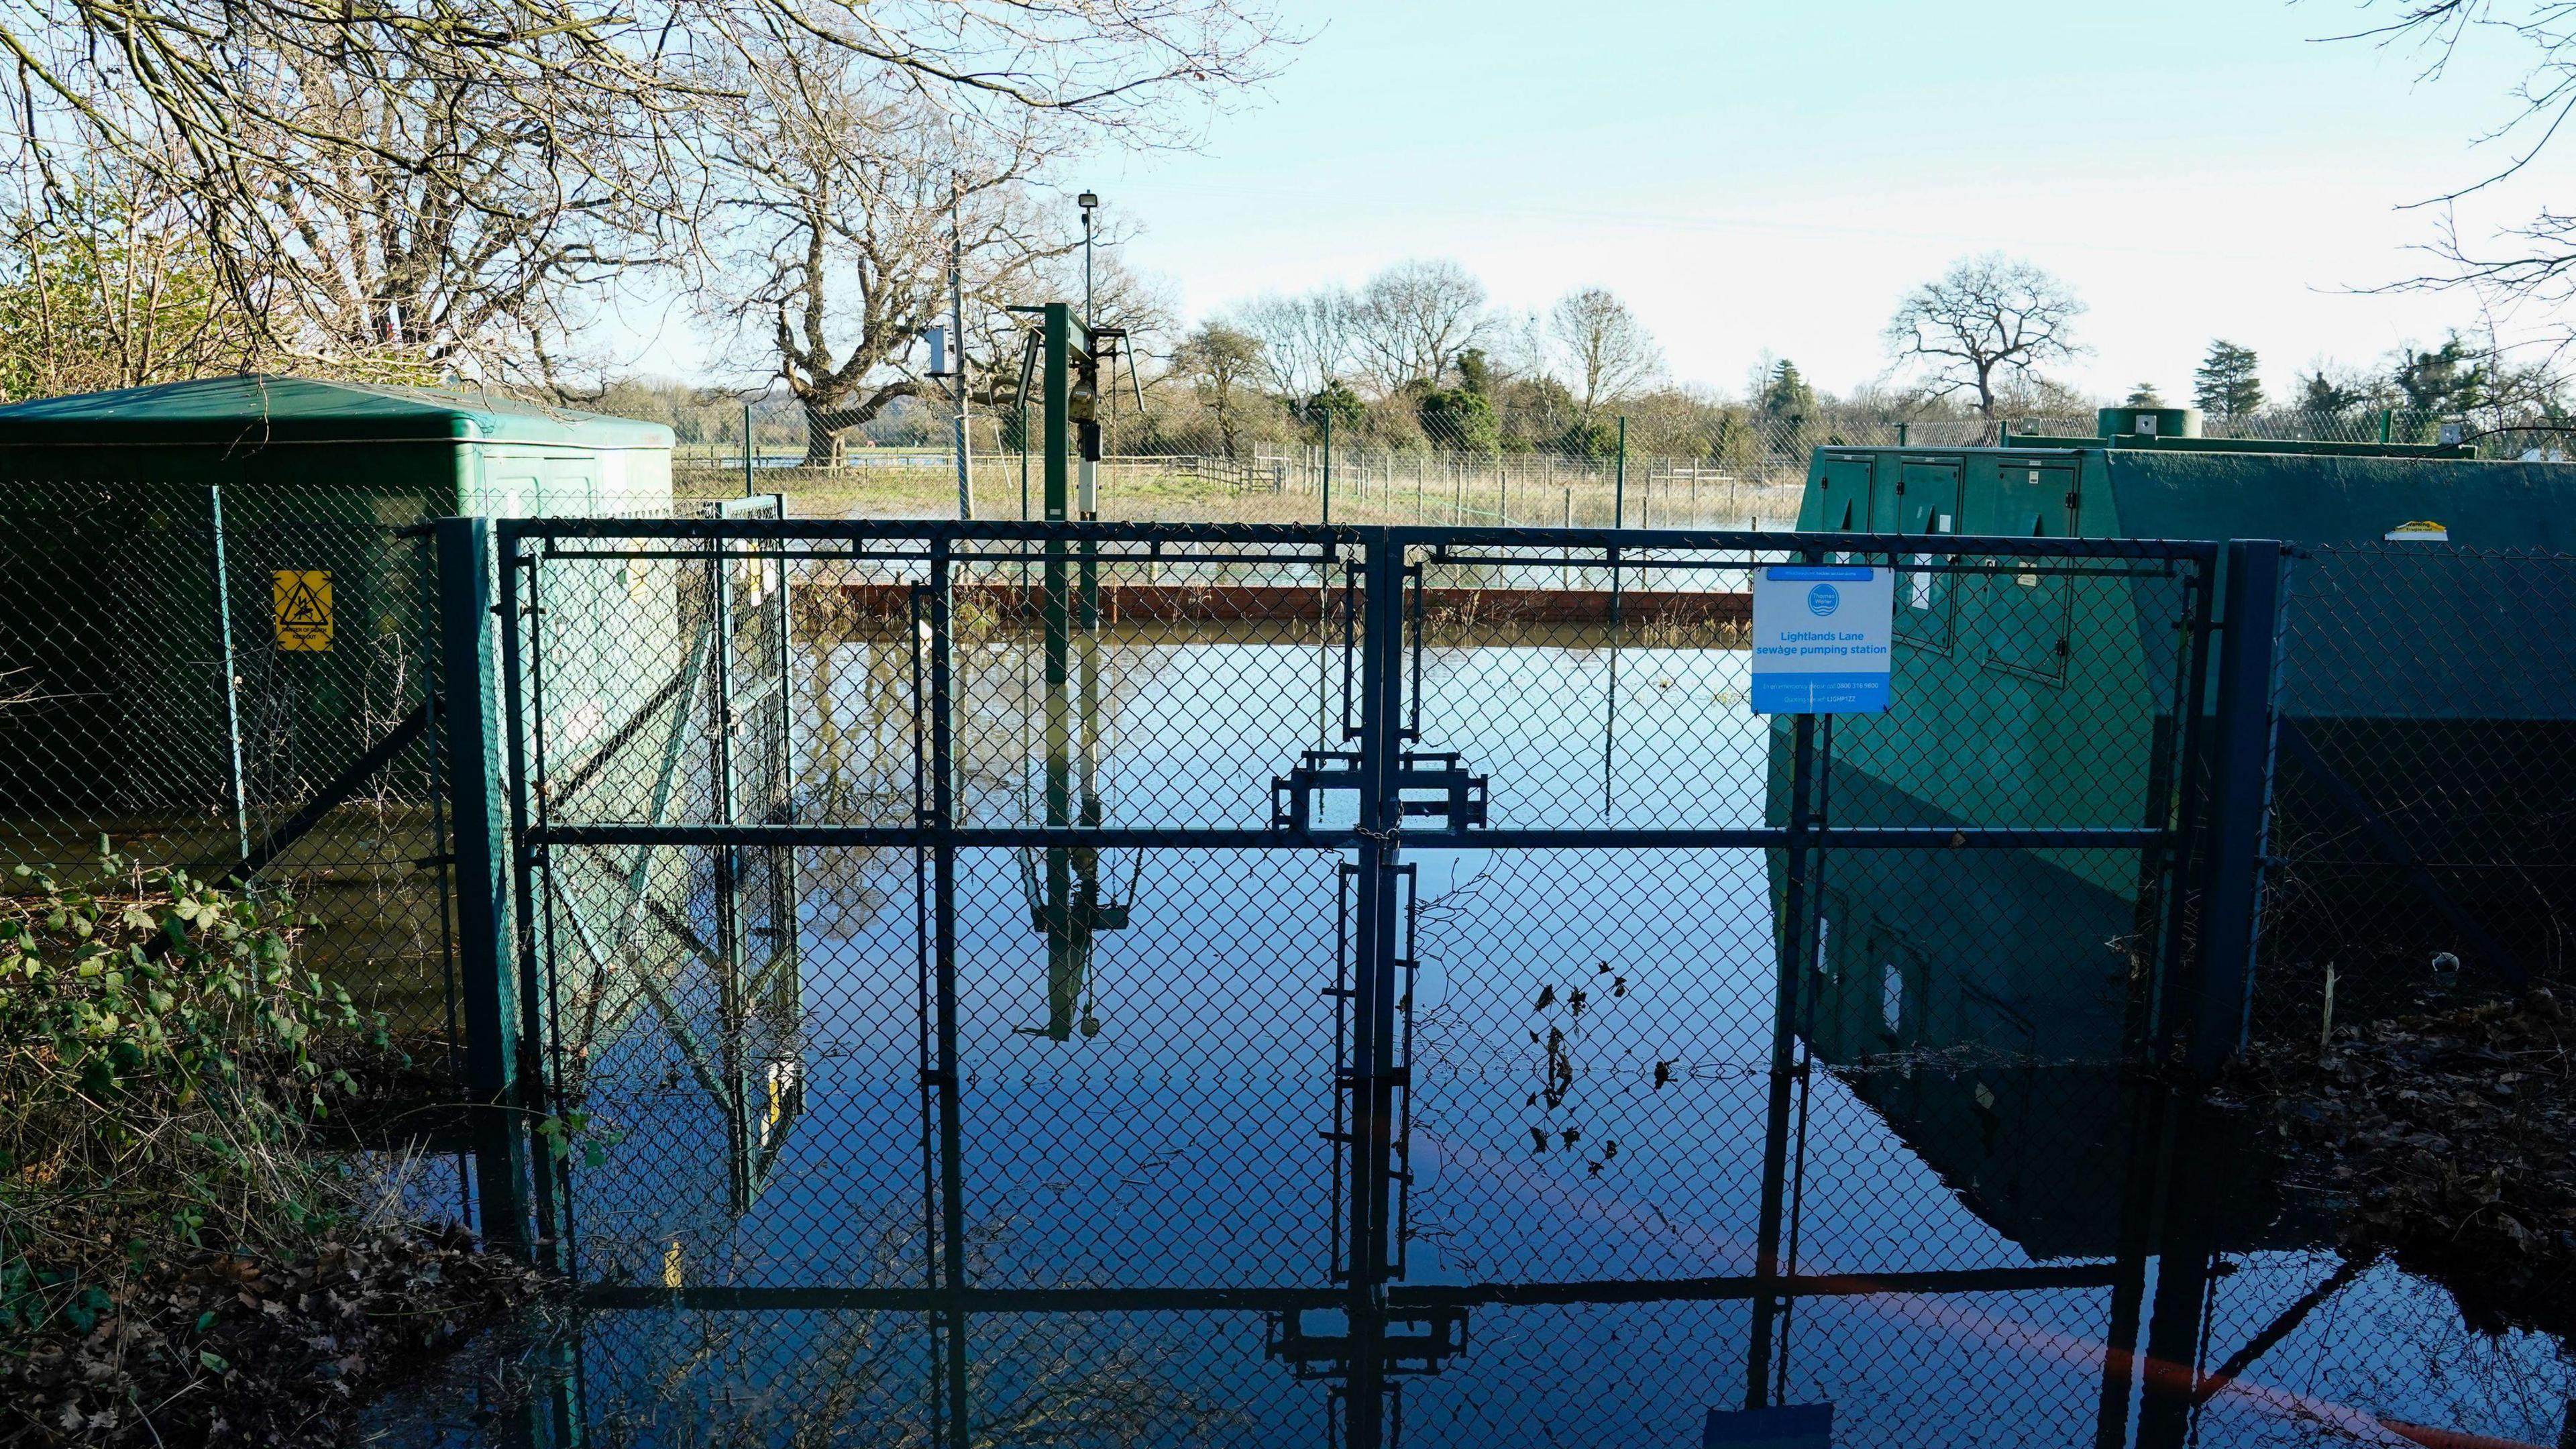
[{"x": 1066, "y": 903}]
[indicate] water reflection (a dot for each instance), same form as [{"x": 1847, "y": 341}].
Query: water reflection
[
  {"x": 2173, "y": 1301},
  {"x": 1965, "y": 1220}
]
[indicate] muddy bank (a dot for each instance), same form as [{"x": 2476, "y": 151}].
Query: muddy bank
[{"x": 2449, "y": 1141}]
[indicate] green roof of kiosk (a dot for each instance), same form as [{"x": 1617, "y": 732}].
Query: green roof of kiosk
[{"x": 257, "y": 409}]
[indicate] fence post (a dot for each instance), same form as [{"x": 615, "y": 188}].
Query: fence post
[
  {"x": 1328, "y": 464},
  {"x": 1797, "y": 913},
  {"x": 1565, "y": 561},
  {"x": 747, "y": 489},
  {"x": 1375, "y": 1072},
  {"x": 232, "y": 670},
  {"x": 470, "y": 734},
  {"x": 943, "y": 874},
  {"x": 1618, "y": 520},
  {"x": 1619, "y": 483},
  {"x": 2240, "y": 766}
]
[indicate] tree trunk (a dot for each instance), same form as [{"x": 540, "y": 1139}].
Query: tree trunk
[{"x": 818, "y": 437}]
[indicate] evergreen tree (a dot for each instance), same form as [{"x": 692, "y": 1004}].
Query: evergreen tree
[
  {"x": 2142, "y": 396},
  {"x": 2450, "y": 379},
  {"x": 1583, "y": 441},
  {"x": 1342, "y": 404},
  {"x": 1458, "y": 420},
  {"x": 2320, "y": 393},
  {"x": 1786, "y": 396},
  {"x": 2228, "y": 384},
  {"x": 1475, "y": 370}
]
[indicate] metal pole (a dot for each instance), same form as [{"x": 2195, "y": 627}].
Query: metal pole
[
  {"x": 519, "y": 677},
  {"x": 1374, "y": 1070},
  {"x": 1063, "y": 985},
  {"x": 1619, "y": 487},
  {"x": 957, "y": 342},
  {"x": 232, "y": 672},
  {"x": 726, "y": 859},
  {"x": 1089, "y": 482},
  {"x": 1328, "y": 461},
  {"x": 2240, "y": 801},
  {"x": 2186, "y": 1254},
  {"x": 1618, "y": 519},
  {"x": 1081, "y": 914},
  {"x": 747, "y": 489},
  {"x": 470, "y": 733},
  {"x": 1793, "y": 934},
  {"x": 943, "y": 810}
]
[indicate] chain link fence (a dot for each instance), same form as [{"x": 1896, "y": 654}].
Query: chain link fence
[
  {"x": 1155, "y": 978},
  {"x": 1173, "y": 453},
  {"x": 2423, "y": 849},
  {"x": 236, "y": 680},
  {"x": 1112, "y": 986}
]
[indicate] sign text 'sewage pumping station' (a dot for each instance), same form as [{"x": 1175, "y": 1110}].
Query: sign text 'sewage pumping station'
[{"x": 1820, "y": 638}]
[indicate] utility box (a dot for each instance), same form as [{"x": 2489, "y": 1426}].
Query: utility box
[
  {"x": 2154, "y": 422},
  {"x": 215, "y": 602},
  {"x": 2427, "y": 749},
  {"x": 119, "y": 506}
]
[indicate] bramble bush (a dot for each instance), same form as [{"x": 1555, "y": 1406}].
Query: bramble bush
[{"x": 157, "y": 1064}]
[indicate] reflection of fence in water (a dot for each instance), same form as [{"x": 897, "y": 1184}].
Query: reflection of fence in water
[{"x": 1594, "y": 1029}]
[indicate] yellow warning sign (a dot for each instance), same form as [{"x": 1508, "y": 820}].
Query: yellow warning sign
[{"x": 303, "y": 604}]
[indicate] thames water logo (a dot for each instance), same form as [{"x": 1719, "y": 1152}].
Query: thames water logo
[{"x": 1823, "y": 599}]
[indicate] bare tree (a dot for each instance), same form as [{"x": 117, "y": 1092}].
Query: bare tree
[
  {"x": 1413, "y": 320},
  {"x": 1986, "y": 325},
  {"x": 2534, "y": 261},
  {"x": 834, "y": 217},
  {"x": 1306, "y": 340},
  {"x": 446, "y": 184},
  {"x": 1607, "y": 352}
]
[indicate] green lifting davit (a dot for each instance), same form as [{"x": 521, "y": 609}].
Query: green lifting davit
[{"x": 1067, "y": 900}]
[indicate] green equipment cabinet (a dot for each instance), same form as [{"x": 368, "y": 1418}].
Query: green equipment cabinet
[
  {"x": 215, "y": 599},
  {"x": 2427, "y": 751}
]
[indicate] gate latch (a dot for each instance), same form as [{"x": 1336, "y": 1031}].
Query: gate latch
[{"x": 1431, "y": 784}]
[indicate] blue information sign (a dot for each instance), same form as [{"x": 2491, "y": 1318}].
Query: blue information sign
[{"x": 1821, "y": 637}]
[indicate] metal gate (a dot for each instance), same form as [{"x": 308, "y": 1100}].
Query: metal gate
[{"x": 1358, "y": 929}]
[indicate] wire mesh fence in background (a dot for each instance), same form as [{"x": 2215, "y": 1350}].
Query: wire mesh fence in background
[
  {"x": 2424, "y": 838},
  {"x": 236, "y": 680},
  {"x": 1444, "y": 458},
  {"x": 187, "y": 669}
]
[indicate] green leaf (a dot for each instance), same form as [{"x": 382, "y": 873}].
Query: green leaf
[
  {"x": 213, "y": 1361},
  {"x": 82, "y": 1313}
]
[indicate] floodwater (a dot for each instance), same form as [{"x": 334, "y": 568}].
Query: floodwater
[{"x": 2003, "y": 1240}]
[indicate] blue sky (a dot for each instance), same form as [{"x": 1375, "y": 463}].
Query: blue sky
[{"x": 1761, "y": 177}]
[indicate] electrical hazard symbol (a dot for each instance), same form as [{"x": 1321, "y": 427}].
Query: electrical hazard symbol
[{"x": 303, "y": 604}]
